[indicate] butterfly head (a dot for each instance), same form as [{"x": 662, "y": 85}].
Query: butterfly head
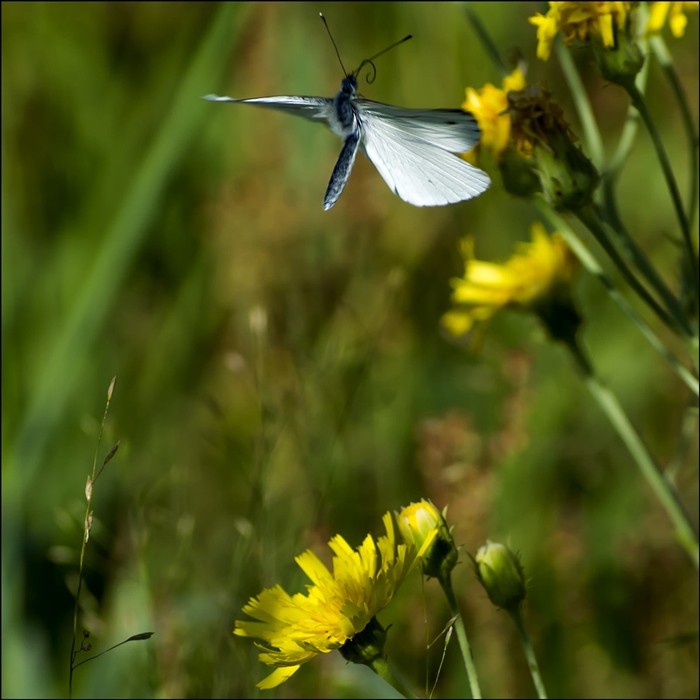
[{"x": 349, "y": 85}]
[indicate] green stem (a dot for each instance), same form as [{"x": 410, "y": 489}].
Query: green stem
[
  {"x": 650, "y": 470},
  {"x": 86, "y": 534},
  {"x": 664, "y": 57},
  {"x": 381, "y": 668},
  {"x": 516, "y": 615},
  {"x": 583, "y": 106},
  {"x": 446, "y": 583},
  {"x": 638, "y": 257},
  {"x": 485, "y": 39},
  {"x": 591, "y": 264},
  {"x": 639, "y": 102},
  {"x": 588, "y": 215},
  {"x": 629, "y": 130}
]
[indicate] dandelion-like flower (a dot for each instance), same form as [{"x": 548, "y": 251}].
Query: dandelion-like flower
[
  {"x": 674, "y": 12},
  {"x": 489, "y": 106},
  {"x": 536, "y": 278},
  {"x": 579, "y": 19},
  {"x": 337, "y": 607}
]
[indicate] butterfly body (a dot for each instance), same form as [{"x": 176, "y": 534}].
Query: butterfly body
[{"x": 411, "y": 148}]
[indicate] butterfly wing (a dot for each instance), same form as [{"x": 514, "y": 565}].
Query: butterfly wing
[
  {"x": 315, "y": 108},
  {"x": 452, "y": 130},
  {"x": 412, "y": 150}
]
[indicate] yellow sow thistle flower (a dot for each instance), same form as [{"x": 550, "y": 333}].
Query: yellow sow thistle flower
[
  {"x": 674, "y": 12},
  {"x": 337, "y": 607},
  {"x": 579, "y": 19},
  {"x": 489, "y": 106},
  {"x": 532, "y": 279}
]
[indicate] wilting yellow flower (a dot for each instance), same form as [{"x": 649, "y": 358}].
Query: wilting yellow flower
[
  {"x": 674, "y": 11},
  {"x": 539, "y": 131},
  {"x": 489, "y": 106},
  {"x": 579, "y": 19},
  {"x": 337, "y": 607},
  {"x": 525, "y": 281}
]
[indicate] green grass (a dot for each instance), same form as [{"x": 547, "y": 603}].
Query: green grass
[{"x": 143, "y": 228}]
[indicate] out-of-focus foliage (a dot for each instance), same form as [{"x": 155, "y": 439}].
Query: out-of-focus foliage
[{"x": 281, "y": 372}]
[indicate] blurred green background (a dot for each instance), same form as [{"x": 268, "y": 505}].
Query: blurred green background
[{"x": 282, "y": 376}]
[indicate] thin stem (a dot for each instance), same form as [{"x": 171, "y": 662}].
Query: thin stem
[
  {"x": 628, "y": 243},
  {"x": 650, "y": 470},
  {"x": 592, "y": 266},
  {"x": 637, "y": 255},
  {"x": 583, "y": 105},
  {"x": 485, "y": 39},
  {"x": 86, "y": 534},
  {"x": 590, "y": 218},
  {"x": 629, "y": 130},
  {"x": 134, "y": 638},
  {"x": 516, "y": 615},
  {"x": 381, "y": 668},
  {"x": 446, "y": 583},
  {"x": 639, "y": 102},
  {"x": 664, "y": 57}
]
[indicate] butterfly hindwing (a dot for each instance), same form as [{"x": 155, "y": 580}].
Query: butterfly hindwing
[{"x": 417, "y": 170}]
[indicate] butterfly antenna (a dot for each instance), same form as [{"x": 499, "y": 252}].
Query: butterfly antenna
[
  {"x": 377, "y": 55},
  {"x": 334, "y": 44}
]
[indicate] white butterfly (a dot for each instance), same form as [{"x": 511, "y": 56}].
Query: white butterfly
[{"x": 411, "y": 148}]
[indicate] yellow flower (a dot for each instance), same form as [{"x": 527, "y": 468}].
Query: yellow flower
[
  {"x": 525, "y": 281},
  {"x": 675, "y": 11},
  {"x": 489, "y": 106},
  {"x": 579, "y": 19},
  {"x": 420, "y": 521},
  {"x": 337, "y": 607}
]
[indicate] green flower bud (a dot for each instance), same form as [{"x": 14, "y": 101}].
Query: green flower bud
[
  {"x": 621, "y": 63},
  {"x": 501, "y": 574}
]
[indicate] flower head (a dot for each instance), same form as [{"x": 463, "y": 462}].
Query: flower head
[
  {"x": 539, "y": 131},
  {"x": 582, "y": 20},
  {"x": 659, "y": 12},
  {"x": 489, "y": 106},
  {"x": 337, "y": 606},
  {"x": 501, "y": 574},
  {"x": 536, "y": 278},
  {"x": 417, "y": 523}
]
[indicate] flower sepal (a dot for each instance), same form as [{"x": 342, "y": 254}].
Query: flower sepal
[
  {"x": 366, "y": 646},
  {"x": 620, "y": 64}
]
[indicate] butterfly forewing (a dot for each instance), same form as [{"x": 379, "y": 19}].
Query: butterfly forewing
[
  {"x": 450, "y": 129},
  {"x": 307, "y": 107}
]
